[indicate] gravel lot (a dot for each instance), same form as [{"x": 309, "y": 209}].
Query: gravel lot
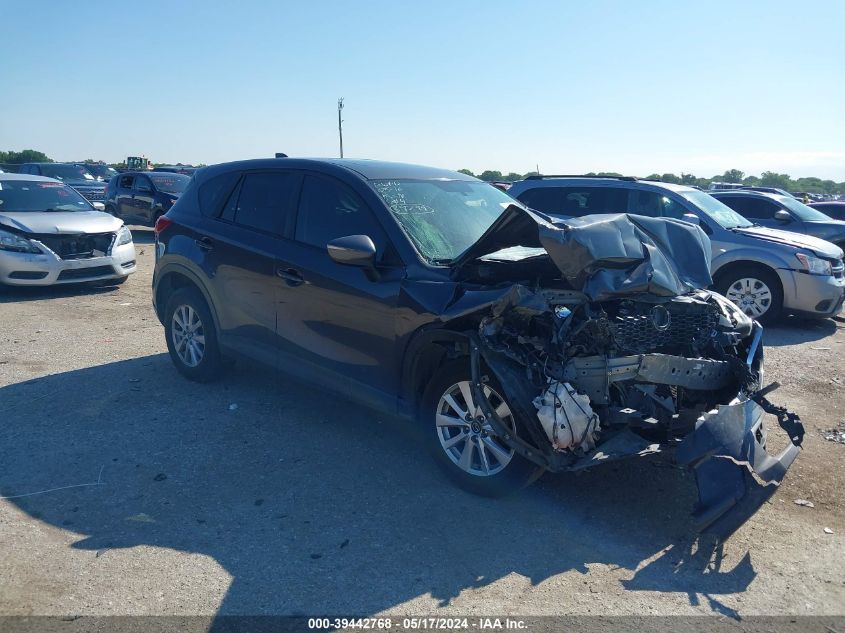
[{"x": 168, "y": 499}]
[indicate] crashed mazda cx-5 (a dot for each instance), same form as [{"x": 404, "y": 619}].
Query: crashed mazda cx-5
[{"x": 519, "y": 343}]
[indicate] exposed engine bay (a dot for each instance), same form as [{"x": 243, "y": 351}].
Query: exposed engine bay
[{"x": 637, "y": 360}]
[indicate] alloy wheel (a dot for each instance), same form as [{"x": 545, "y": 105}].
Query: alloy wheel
[
  {"x": 467, "y": 436},
  {"x": 188, "y": 335}
]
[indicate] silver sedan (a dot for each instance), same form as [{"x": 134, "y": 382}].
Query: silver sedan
[{"x": 50, "y": 234}]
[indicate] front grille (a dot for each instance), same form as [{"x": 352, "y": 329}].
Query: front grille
[
  {"x": 85, "y": 273},
  {"x": 94, "y": 195},
  {"x": 82, "y": 246},
  {"x": 647, "y": 328}
]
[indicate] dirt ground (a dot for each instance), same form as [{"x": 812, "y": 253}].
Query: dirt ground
[{"x": 258, "y": 495}]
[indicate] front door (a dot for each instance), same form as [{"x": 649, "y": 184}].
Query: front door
[
  {"x": 337, "y": 317},
  {"x": 123, "y": 198},
  {"x": 143, "y": 199}
]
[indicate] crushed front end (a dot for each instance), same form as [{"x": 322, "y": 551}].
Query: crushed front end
[{"x": 607, "y": 372}]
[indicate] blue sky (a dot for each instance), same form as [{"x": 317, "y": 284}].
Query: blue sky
[{"x": 572, "y": 86}]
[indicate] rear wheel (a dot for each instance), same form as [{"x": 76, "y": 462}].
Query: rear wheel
[
  {"x": 463, "y": 442},
  {"x": 192, "y": 337},
  {"x": 755, "y": 290}
]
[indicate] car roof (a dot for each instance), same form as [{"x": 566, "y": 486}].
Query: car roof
[
  {"x": 363, "y": 168},
  {"x": 623, "y": 183},
  {"x": 749, "y": 193},
  {"x": 7, "y": 176}
]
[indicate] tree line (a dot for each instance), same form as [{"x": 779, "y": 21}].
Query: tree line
[{"x": 766, "y": 179}]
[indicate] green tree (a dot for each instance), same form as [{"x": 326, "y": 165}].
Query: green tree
[
  {"x": 671, "y": 178},
  {"x": 732, "y": 175},
  {"x": 512, "y": 177},
  {"x": 773, "y": 179},
  {"x": 652, "y": 177},
  {"x": 751, "y": 181},
  {"x": 467, "y": 172},
  {"x": 491, "y": 176},
  {"x": 530, "y": 173},
  {"x": 24, "y": 156}
]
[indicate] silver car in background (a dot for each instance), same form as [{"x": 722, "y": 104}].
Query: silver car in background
[{"x": 50, "y": 234}]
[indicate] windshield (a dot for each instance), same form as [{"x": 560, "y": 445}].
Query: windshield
[
  {"x": 102, "y": 171},
  {"x": 801, "y": 210},
  {"x": 443, "y": 218},
  {"x": 66, "y": 172},
  {"x": 719, "y": 212},
  {"x": 169, "y": 183},
  {"x": 34, "y": 195}
]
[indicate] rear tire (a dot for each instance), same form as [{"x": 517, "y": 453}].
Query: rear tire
[
  {"x": 191, "y": 336},
  {"x": 756, "y": 290},
  {"x": 490, "y": 469}
]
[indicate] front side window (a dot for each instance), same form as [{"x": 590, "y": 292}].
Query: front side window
[
  {"x": 142, "y": 184},
  {"x": 802, "y": 211},
  {"x": 125, "y": 182},
  {"x": 657, "y": 205},
  {"x": 443, "y": 218},
  {"x": 328, "y": 210},
  {"x": 33, "y": 195},
  {"x": 262, "y": 201}
]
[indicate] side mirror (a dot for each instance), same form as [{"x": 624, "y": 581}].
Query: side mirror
[
  {"x": 353, "y": 250},
  {"x": 783, "y": 216},
  {"x": 692, "y": 218}
]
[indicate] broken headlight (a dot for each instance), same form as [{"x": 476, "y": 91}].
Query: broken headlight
[
  {"x": 16, "y": 243},
  {"x": 814, "y": 265},
  {"x": 124, "y": 236}
]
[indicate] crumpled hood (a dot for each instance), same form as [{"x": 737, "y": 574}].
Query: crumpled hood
[
  {"x": 817, "y": 245},
  {"x": 607, "y": 256},
  {"x": 57, "y": 222}
]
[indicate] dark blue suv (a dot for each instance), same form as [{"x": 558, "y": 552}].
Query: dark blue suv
[
  {"x": 143, "y": 197},
  {"x": 518, "y": 343}
]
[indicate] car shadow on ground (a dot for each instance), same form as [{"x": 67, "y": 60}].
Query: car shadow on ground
[
  {"x": 316, "y": 506},
  {"x": 142, "y": 234},
  {"x": 16, "y": 294},
  {"x": 793, "y": 330}
]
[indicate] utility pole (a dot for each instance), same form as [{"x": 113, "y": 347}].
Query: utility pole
[{"x": 340, "y": 124}]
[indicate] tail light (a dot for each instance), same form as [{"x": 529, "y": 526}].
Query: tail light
[{"x": 162, "y": 223}]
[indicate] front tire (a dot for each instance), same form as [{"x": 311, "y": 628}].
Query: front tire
[
  {"x": 755, "y": 290},
  {"x": 463, "y": 443},
  {"x": 191, "y": 336}
]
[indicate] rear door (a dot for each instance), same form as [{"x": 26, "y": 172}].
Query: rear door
[
  {"x": 123, "y": 198},
  {"x": 339, "y": 318},
  {"x": 240, "y": 248}
]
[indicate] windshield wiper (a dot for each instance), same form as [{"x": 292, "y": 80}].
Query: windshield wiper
[{"x": 55, "y": 210}]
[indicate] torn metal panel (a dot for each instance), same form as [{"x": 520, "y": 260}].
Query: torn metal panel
[
  {"x": 734, "y": 473},
  {"x": 606, "y": 256}
]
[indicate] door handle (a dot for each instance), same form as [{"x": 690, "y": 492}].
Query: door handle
[
  {"x": 204, "y": 244},
  {"x": 291, "y": 276}
]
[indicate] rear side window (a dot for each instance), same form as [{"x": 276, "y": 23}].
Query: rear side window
[
  {"x": 263, "y": 201},
  {"x": 328, "y": 210},
  {"x": 214, "y": 192},
  {"x": 578, "y": 201},
  {"x": 544, "y": 199}
]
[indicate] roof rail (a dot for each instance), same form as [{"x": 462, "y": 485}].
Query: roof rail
[{"x": 541, "y": 176}]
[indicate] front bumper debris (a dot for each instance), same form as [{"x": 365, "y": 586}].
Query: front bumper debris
[{"x": 734, "y": 473}]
